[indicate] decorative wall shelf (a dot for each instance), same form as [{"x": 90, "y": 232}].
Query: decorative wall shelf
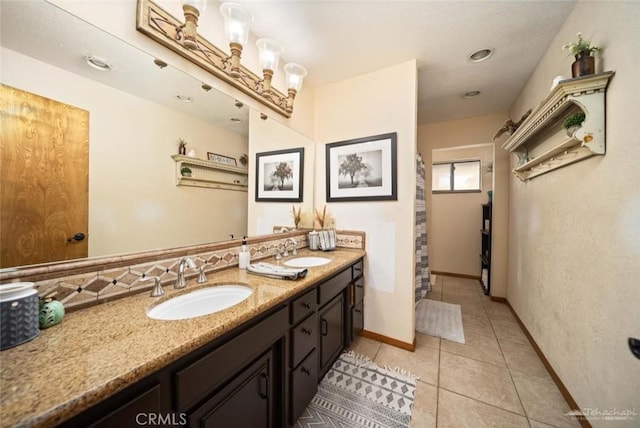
[
  {"x": 210, "y": 174},
  {"x": 541, "y": 142}
]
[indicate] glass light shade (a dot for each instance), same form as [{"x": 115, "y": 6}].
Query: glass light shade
[
  {"x": 295, "y": 74},
  {"x": 237, "y": 22},
  {"x": 198, "y": 4},
  {"x": 269, "y": 53}
]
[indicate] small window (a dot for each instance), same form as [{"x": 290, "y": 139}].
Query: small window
[{"x": 456, "y": 177}]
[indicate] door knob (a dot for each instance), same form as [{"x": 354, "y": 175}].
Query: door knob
[{"x": 77, "y": 237}]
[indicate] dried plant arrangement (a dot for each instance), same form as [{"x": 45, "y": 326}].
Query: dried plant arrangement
[
  {"x": 321, "y": 218},
  {"x": 297, "y": 215}
]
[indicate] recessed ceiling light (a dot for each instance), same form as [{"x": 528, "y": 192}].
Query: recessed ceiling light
[
  {"x": 471, "y": 94},
  {"x": 184, "y": 98},
  {"x": 480, "y": 55},
  {"x": 98, "y": 63},
  {"x": 236, "y": 120}
]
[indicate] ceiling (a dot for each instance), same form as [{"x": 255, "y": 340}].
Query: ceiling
[
  {"x": 337, "y": 40},
  {"x": 334, "y": 40}
]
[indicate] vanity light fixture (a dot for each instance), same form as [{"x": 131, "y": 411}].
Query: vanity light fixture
[
  {"x": 269, "y": 52},
  {"x": 183, "y": 38},
  {"x": 480, "y": 55},
  {"x": 471, "y": 94},
  {"x": 98, "y": 63}
]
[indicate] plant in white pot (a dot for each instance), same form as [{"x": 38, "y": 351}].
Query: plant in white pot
[
  {"x": 572, "y": 123},
  {"x": 185, "y": 171}
]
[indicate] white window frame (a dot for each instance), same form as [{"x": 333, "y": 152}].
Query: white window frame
[{"x": 452, "y": 188}]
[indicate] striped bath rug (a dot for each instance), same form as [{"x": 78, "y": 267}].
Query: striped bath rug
[
  {"x": 355, "y": 392},
  {"x": 440, "y": 319}
]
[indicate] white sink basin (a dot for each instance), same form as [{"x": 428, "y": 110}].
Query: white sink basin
[
  {"x": 200, "y": 302},
  {"x": 304, "y": 262}
]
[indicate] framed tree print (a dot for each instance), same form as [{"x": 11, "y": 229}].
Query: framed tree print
[
  {"x": 363, "y": 169},
  {"x": 279, "y": 175}
]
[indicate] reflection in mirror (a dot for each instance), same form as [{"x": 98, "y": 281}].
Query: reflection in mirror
[{"x": 135, "y": 121}]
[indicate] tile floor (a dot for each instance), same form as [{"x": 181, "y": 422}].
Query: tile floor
[{"x": 494, "y": 380}]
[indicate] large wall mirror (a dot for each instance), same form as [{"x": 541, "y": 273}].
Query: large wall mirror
[{"x": 137, "y": 111}]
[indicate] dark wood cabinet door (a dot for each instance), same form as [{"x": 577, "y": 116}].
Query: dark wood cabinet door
[
  {"x": 247, "y": 401},
  {"x": 331, "y": 332}
]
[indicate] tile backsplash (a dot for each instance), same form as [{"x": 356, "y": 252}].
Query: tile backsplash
[{"x": 79, "y": 284}]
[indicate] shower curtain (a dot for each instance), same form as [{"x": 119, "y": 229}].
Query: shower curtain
[{"x": 422, "y": 284}]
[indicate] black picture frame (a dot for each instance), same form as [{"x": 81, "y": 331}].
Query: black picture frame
[
  {"x": 369, "y": 167},
  {"x": 274, "y": 187}
]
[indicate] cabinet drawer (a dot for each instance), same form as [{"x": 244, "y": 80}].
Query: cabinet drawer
[
  {"x": 303, "y": 306},
  {"x": 359, "y": 285},
  {"x": 304, "y": 385},
  {"x": 303, "y": 339},
  {"x": 357, "y": 269},
  {"x": 200, "y": 378},
  {"x": 332, "y": 287}
]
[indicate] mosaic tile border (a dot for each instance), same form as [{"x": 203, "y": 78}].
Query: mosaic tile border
[{"x": 85, "y": 283}]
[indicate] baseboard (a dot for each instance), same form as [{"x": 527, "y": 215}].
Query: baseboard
[
  {"x": 389, "y": 341},
  {"x": 459, "y": 275},
  {"x": 563, "y": 389}
]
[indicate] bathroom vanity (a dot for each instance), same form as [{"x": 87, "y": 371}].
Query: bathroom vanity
[{"x": 255, "y": 364}]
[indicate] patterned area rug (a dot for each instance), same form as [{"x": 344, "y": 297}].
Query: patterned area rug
[
  {"x": 355, "y": 392},
  {"x": 440, "y": 319}
]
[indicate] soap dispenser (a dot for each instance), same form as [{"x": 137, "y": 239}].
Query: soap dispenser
[{"x": 243, "y": 255}]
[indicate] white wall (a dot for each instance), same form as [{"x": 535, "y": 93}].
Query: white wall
[
  {"x": 455, "y": 242},
  {"x": 269, "y": 135},
  {"x": 134, "y": 204},
  {"x": 371, "y": 104},
  {"x": 574, "y": 238}
]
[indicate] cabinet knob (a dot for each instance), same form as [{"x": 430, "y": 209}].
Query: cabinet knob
[
  {"x": 306, "y": 331},
  {"x": 305, "y": 371},
  {"x": 306, "y": 305},
  {"x": 358, "y": 311}
]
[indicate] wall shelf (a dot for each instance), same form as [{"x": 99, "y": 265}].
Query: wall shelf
[
  {"x": 211, "y": 175},
  {"x": 541, "y": 143}
]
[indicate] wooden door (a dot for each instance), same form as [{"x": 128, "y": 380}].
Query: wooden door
[{"x": 44, "y": 171}]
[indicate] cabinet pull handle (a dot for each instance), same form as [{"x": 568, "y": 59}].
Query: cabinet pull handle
[
  {"x": 305, "y": 371},
  {"x": 265, "y": 395},
  {"x": 306, "y": 305},
  {"x": 325, "y": 327},
  {"x": 306, "y": 331},
  {"x": 358, "y": 311}
]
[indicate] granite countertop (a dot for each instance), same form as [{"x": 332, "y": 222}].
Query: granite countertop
[{"x": 98, "y": 351}]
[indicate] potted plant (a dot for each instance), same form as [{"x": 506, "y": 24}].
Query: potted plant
[
  {"x": 185, "y": 171},
  {"x": 582, "y": 51},
  {"x": 573, "y": 122}
]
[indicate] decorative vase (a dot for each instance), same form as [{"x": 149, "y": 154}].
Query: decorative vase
[
  {"x": 182, "y": 150},
  {"x": 584, "y": 64}
]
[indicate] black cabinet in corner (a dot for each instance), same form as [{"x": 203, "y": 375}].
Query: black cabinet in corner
[{"x": 485, "y": 254}]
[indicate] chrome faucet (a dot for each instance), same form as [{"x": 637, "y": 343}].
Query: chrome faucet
[
  {"x": 294, "y": 252},
  {"x": 180, "y": 281}
]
